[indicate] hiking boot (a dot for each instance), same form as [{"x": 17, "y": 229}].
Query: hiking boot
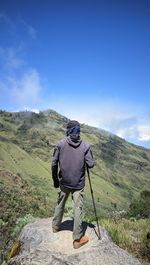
[
  {"x": 80, "y": 242},
  {"x": 55, "y": 230}
]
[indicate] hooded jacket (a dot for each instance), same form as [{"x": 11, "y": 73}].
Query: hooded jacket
[{"x": 72, "y": 155}]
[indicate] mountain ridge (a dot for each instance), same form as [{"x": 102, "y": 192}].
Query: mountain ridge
[{"x": 27, "y": 141}]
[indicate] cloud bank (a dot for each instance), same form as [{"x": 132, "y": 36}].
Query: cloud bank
[{"x": 120, "y": 118}]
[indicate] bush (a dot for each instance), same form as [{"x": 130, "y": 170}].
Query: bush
[
  {"x": 140, "y": 208},
  {"x": 21, "y": 222}
]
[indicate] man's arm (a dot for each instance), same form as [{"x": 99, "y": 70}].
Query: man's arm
[
  {"x": 89, "y": 158},
  {"x": 55, "y": 160}
]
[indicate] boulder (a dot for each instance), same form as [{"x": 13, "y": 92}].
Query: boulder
[{"x": 40, "y": 246}]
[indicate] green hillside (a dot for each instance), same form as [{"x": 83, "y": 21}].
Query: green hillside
[{"x": 26, "y": 144}]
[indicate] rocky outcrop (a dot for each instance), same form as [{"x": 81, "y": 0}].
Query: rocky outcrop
[{"x": 40, "y": 246}]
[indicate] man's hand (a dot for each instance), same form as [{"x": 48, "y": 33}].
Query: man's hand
[{"x": 56, "y": 183}]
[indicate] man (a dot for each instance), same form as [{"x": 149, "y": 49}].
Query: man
[{"x": 72, "y": 155}]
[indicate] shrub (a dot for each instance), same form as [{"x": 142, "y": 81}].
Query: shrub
[
  {"x": 21, "y": 222},
  {"x": 140, "y": 207}
]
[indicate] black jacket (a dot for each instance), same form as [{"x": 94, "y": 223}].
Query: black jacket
[{"x": 72, "y": 158}]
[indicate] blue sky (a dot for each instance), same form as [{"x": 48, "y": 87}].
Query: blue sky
[{"x": 88, "y": 60}]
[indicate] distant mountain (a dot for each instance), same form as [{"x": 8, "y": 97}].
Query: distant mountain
[{"x": 27, "y": 141}]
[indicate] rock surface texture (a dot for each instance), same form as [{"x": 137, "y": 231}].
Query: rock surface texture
[{"x": 40, "y": 246}]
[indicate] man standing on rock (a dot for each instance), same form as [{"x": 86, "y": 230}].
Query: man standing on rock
[{"x": 72, "y": 155}]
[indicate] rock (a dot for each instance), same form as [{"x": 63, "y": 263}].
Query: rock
[{"x": 40, "y": 246}]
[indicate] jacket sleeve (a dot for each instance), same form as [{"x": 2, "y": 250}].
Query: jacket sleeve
[
  {"x": 55, "y": 160},
  {"x": 89, "y": 158}
]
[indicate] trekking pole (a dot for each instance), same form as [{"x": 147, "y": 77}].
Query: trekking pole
[{"x": 99, "y": 235}]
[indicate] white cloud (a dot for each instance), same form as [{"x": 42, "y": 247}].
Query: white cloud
[
  {"x": 32, "y": 32},
  {"x": 126, "y": 132},
  {"x": 30, "y": 29},
  {"x": 13, "y": 25},
  {"x": 10, "y": 58},
  {"x": 138, "y": 132},
  {"x": 144, "y": 132},
  {"x": 28, "y": 88},
  {"x": 19, "y": 84},
  {"x": 127, "y": 121},
  {"x": 8, "y": 21},
  {"x": 31, "y": 109},
  {"x": 23, "y": 91},
  {"x": 111, "y": 116}
]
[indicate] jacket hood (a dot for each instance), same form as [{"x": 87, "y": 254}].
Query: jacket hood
[{"x": 74, "y": 140}]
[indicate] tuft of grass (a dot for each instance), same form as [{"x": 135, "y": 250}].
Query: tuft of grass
[
  {"x": 15, "y": 249},
  {"x": 131, "y": 235},
  {"x": 21, "y": 222}
]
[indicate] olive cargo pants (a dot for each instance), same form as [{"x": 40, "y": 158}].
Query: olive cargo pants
[{"x": 77, "y": 196}]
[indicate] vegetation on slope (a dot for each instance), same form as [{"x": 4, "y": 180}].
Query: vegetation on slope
[
  {"x": 131, "y": 235},
  {"x": 27, "y": 140}
]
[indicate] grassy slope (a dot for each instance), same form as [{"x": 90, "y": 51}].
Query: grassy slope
[
  {"x": 26, "y": 145},
  {"x": 121, "y": 170}
]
